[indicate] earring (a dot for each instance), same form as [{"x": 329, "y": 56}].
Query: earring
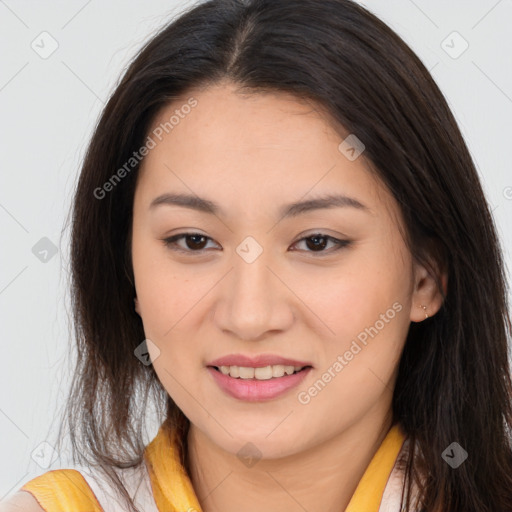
[{"x": 425, "y": 310}]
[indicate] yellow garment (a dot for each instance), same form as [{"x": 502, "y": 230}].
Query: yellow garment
[
  {"x": 369, "y": 491},
  {"x": 65, "y": 490}
]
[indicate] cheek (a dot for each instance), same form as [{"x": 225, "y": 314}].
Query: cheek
[
  {"x": 170, "y": 298},
  {"x": 158, "y": 300},
  {"x": 365, "y": 304},
  {"x": 367, "y": 312},
  {"x": 163, "y": 292},
  {"x": 353, "y": 295},
  {"x": 165, "y": 298}
]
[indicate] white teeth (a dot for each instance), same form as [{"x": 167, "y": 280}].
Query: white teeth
[
  {"x": 277, "y": 370},
  {"x": 246, "y": 373},
  {"x": 263, "y": 373}
]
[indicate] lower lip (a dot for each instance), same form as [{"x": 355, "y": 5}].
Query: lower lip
[{"x": 253, "y": 390}]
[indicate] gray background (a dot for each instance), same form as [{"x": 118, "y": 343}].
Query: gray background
[{"x": 48, "y": 107}]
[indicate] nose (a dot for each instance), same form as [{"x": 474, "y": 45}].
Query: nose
[{"x": 254, "y": 302}]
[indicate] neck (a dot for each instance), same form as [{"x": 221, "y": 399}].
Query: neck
[{"x": 321, "y": 478}]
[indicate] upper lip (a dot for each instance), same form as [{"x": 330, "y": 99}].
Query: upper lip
[{"x": 256, "y": 361}]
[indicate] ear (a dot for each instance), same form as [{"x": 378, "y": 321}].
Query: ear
[
  {"x": 426, "y": 292},
  {"x": 137, "y": 308}
]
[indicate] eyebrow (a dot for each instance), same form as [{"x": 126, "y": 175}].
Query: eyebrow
[{"x": 289, "y": 210}]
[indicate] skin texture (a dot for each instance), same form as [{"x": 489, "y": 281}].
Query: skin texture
[{"x": 252, "y": 154}]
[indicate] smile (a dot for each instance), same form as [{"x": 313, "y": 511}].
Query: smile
[
  {"x": 255, "y": 384},
  {"x": 261, "y": 373}
]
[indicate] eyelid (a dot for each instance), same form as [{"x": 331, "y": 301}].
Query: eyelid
[{"x": 170, "y": 243}]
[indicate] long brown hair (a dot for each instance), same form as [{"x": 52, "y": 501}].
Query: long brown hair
[{"x": 454, "y": 378}]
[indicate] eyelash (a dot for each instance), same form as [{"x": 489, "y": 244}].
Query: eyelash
[{"x": 171, "y": 243}]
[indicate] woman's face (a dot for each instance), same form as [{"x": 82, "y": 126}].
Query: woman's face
[{"x": 254, "y": 286}]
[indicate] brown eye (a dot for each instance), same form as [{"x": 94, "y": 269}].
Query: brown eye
[
  {"x": 318, "y": 242},
  {"x": 194, "y": 242}
]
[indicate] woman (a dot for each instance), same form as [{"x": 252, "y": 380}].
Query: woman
[{"x": 278, "y": 211}]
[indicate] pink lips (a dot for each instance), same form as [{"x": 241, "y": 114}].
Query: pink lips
[
  {"x": 256, "y": 361},
  {"x": 254, "y": 390}
]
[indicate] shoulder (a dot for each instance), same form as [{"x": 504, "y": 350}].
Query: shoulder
[
  {"x": 55, "y": 490},
  {"x": 21, "y": 500},
  {"x": 84, "y": 488}
]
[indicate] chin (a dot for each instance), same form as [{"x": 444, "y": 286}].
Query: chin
[{"x": 259, "y": 444}]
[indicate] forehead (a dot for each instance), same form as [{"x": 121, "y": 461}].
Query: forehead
[
  {"x": 252, "y": 148},
  {"x": 225, "y": 119}
]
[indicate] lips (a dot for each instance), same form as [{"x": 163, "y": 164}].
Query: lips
[
  {"x": 256, "y": 390},
  {"x": 258, "y": 361}
]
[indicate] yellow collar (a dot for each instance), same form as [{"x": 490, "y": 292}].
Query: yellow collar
[{"x": 173, "y": 490}]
